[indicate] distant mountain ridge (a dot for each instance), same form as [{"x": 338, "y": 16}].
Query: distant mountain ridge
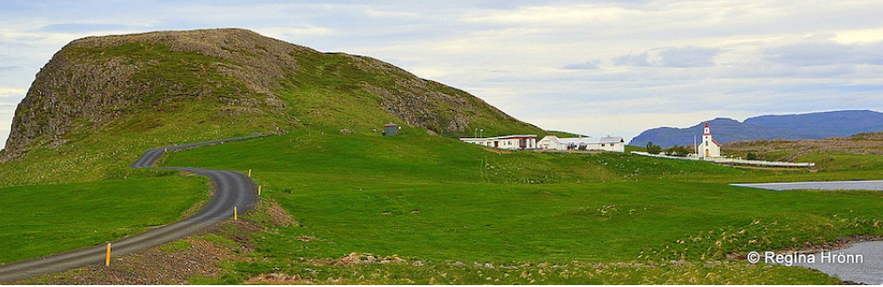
[{"x": 789, "y": 127}]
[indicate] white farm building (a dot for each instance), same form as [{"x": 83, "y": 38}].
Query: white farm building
[
  {"x": 614, "y": 144},
  {"x": 505, "y": 142}
]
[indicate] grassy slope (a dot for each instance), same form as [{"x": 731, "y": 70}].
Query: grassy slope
[
  {"x": 337, "y": 91},
  {"x": 429, "y": 198},
  {"x": 41, "y": 220}
]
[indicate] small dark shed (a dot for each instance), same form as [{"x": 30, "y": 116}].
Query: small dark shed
[{"x": 391, "y": 129}]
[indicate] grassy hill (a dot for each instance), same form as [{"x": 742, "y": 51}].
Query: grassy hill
[
  {"x": 101, "y": 101},
  {"x": 438, "y": 210}
]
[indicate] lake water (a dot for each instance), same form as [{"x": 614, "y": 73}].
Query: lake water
[
  {"x": 861, "y": 262},
  {"x": 818, "y": 185},
  {"x": 845, "y": 263}
]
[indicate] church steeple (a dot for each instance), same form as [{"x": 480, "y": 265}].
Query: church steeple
[{"x": 708, "y": 147}]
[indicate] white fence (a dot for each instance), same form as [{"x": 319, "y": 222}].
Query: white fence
[{"x": 733, "y": 161}]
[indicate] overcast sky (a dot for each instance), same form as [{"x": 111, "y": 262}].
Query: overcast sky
[{"x": 590, "y": 67}]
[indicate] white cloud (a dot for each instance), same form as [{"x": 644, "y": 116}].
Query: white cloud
[
  {"x": 638, "y": 60},
  {"x": 5, "y": 123},
  {"x": 296, "y": 32},
  {"x": 679, "y": 57},
  {"x": 562, "y": 15},
  {"x": 10, "y": 92},
  {"x": 9, "y": 98},
  {"x": 630, "y": 65},
  {"x": 587, "y": 65},
  {"x": 859, "y": 36},
  {"x": 4, "y": 134},
  {"x": 376, "y": 13},
  {"x": 819, "y": 53},
  {"x": 86, "y": 27},
  {"x": 688, "y": 57}
]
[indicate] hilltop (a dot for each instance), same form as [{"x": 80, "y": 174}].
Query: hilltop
[
  {"x": 785, "y": 127},
  {"x": 100, "y": 101}
]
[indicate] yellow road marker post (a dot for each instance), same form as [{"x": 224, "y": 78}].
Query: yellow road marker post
[
  {"x": 259, "y": 190},
  {"x": 235, "y": 214},
  {"x": 107, "y": 258},
  {"x": 249, "y": 172}
]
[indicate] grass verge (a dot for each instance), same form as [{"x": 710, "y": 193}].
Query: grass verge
[{"x": 41, "y": 220}]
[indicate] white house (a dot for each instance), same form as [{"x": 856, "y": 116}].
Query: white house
[
  {"x": 708, "y": 147},
  {"x": 614, "y": 144},
  {"x": 505, "y": 142}
]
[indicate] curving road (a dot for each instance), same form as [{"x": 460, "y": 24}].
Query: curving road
[{"x": 231, "y": 189}]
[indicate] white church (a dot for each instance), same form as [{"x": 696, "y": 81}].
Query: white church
[{"x": 708, "y": 147}]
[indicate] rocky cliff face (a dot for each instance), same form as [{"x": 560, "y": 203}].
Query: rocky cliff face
[
  {"x": 92, "y": 81},
  {"x": 96, "y": 81}
]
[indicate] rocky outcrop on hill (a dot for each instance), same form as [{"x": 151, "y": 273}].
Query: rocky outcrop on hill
[{"x": 94, "y": 82}]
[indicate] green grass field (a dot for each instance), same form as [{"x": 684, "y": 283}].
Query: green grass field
[
  {"x": 40, "y": 220},
  {"x": 438, "y": 200}
]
